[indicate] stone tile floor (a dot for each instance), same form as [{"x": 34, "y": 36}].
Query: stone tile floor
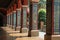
[{"x": 3, "y": 34}]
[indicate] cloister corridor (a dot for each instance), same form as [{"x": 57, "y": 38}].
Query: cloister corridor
[{"x": 29, "y": 19}]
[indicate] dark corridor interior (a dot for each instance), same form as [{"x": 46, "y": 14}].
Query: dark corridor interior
[
  {"x": 1, "y": 20},
  {"x": 4, "y": 5}
]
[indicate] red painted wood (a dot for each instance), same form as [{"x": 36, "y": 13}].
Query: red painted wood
[
  {"x": 52, "y": 16},
  {"x": 3, "y": 10},
  {"x": 14, "y": 7},
  {"x": 11, "y": 8},
  {"x": 21, "y": 20},
  {"x": 7, "y": 12},
  {"x": 9, "y": 15},
  {"x": 25, "y": 2},
  {"x": 19, "y": 4},
  {"x": 12, "y": 18}
]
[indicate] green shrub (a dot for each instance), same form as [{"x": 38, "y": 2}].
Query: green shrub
[{"x": 41, "y": 16}]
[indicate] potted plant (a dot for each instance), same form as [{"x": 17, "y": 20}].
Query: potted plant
[{"x": 41, "y": 18}]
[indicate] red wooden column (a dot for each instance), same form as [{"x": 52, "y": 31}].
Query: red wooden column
[
  {"x": 12, "y": 18},
  {"x": 28, "y": 17},
  {"x": 20, "y": 5},
  {"x": 7, "y": 18},
  {"x": 33, "y": 24},
  {"x": 49, "y": 20},
  {"x": 19, "y": 8},
  {"x": 52, "y": 16},
  {"x": 24, "y": 9},
  {"x": 18, "y": 11},
  {"x": 14, "y": 11}
]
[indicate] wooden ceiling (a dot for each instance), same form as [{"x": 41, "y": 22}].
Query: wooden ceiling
[{"x": 5, "y": 3}]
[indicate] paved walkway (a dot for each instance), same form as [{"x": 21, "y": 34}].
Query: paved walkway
[{"x": 2, "y": 34}]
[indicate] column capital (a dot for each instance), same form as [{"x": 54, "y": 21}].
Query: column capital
[
  {"x": 36, "y": 1},
  {"x": 24, "y": 5}
]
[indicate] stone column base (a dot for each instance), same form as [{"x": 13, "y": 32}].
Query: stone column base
[
  {"x": 6, "y": 25},
  {"x": 18, "y": 28},
  {"x": 47, "y": 37},
  {"x": 52, "y": 37},
  {"x": 34, "y": 33},
  {"x": 10, "y": 26},
  {"x": 24, "y": 30}
]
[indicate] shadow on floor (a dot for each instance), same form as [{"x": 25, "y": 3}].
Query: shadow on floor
[{"x": 2, "y": 34}]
